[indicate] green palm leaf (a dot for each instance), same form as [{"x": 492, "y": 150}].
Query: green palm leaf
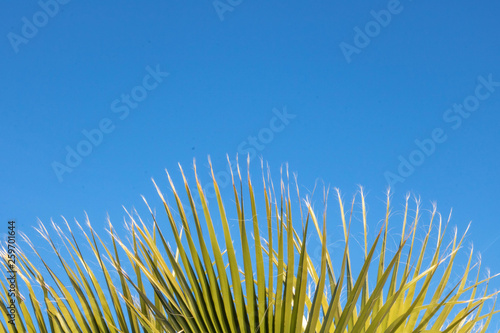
[{"x": 205, "y": 285}]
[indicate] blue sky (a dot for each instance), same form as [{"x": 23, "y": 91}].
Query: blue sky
[{"x": 270, "y": 78}]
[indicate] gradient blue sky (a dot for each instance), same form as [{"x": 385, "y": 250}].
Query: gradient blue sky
[{"x": 353, "y": 121}]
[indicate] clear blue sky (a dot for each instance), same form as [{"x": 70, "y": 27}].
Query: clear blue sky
[{"x": 350, "y": 106}]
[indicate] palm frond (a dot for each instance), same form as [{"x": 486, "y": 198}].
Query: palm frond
[{"x": 250, "y": 283}]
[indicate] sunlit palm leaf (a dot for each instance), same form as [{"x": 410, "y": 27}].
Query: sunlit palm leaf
[{"x": 201, "y": 287}]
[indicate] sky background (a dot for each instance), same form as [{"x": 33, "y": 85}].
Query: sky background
[{"x": 351, "y": 119}]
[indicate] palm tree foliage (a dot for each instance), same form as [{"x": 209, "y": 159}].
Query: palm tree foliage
[{"x": 252, "y": 283}]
